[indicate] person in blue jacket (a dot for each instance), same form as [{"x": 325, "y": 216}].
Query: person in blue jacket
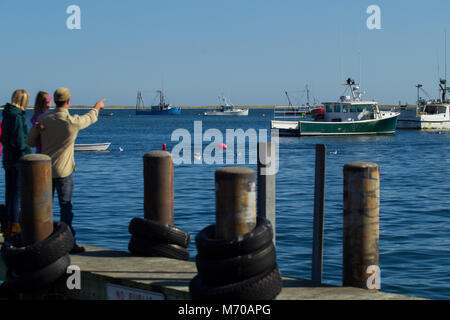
[{"x": 14, "y": 133}]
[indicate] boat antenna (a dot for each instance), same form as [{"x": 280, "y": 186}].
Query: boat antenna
[
  {"x": 445, "y": 42},
  {"x": 341, "y": 62},
  {"x": 360, "y": 67},
  {"x": 438, "y": 70}
]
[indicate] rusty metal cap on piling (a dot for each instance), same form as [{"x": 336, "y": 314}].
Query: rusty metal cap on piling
[
  {"x": 35, "y": 158},
  {"x": 360, "y": 166},
  {"x": 234, "y": 171},
  {"x": 157, "y": 154}
]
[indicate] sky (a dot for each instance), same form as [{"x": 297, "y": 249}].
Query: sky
[{"x": 251, "y": 51}]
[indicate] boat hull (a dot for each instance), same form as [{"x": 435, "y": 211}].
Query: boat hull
[
  {"x": 419, "y": 124},
  {"x": 92, "y": 147},
  {"x": 172, "y": 111},
  {"x": 321, "y": 128},
  {"x": 227, "y": 113}
]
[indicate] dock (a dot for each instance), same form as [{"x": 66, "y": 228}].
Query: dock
[{"x": 116, "y": 275}]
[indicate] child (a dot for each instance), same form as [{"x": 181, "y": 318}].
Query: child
[{"x": 42, "y": 104}]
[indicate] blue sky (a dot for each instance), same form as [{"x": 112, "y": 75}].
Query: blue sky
[{"x": 250, "y": 50}]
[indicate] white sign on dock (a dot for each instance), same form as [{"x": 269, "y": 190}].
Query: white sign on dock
[{"x": 116, "y": 292}]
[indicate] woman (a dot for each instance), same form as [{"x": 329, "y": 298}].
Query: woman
[
  {"x": 14, "y": 132},
  {"x": 41, "y": 105}
]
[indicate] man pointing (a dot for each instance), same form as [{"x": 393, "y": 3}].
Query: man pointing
[{"x": 60, "y": 130}]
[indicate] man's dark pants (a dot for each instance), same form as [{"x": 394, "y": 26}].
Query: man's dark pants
[{"x": 64, "y": 188}]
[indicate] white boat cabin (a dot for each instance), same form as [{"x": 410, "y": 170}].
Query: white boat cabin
[{"x": 347, "y": 110}]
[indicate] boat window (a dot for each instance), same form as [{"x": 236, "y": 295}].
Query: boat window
[
  {"x": 430, "y": 109},
  {"x": 337, "y": 108},
  {"x": 329, "y": 108},
  {"x": 344, "y": 108},
  {"x": 360, "y": 108},
  {"x": 367, "y": 108},
  {"x": 352, "y": 108}
]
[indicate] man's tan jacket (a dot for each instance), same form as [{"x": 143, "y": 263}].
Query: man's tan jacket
[{"x": 58, "y": 137}]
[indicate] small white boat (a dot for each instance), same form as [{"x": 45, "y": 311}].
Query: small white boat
[
  {"x": 227, "y": 109},
  {"x": 96, "y": 147}
]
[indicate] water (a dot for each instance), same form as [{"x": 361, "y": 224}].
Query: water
[{"x": 414, "y": 214}]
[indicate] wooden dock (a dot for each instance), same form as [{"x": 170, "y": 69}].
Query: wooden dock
[{"x": 116, "y": 275}]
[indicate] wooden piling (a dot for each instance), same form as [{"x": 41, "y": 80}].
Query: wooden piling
[
  {"x": 36, "y": 198},
  {"x": 158, "y": 187},
  {"x": 319, "y": 202},
  {"x": 361, "y": 224},
  {"x": 235, "y": 202},
  {"x": 266, "y": 205}
]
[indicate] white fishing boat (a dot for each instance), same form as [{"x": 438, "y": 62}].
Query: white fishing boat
[
  {"x": 432, "y": 115},
  {"x": 349, "y": 116},
  {"x": 227, "y": 109},
  {"x": 96, "y": 147}
]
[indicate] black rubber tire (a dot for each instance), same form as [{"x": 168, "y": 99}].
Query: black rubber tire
[
  {"x": 39, "y": 279},
  {"x": 225, "y": 271},
  {"x": 36, "y": 256},
  {"x": 208, "y": 246},
  {"x": 151, "y": 248},
  {"x": 163, "y": 232},
  {"x": 265, "y": 286}
]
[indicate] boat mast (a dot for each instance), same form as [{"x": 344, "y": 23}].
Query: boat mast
[
  {"x": 161, "y": 97},
  {"x": 307, "y": 95},
  {"x": 289, "y": 100},
  {"x": 350, "y": 83},
  {"x": 418, "y": 93}
]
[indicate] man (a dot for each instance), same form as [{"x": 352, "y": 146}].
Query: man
[{"x": 58, "y": 131}]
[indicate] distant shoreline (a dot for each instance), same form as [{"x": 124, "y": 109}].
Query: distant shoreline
[{"x": 199, "y": 107}]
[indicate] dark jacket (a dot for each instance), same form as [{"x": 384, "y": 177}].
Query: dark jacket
[{"x": 14, "y": 133}]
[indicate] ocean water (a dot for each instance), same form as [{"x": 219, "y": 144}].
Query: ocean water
[{"x": 415, "y": 203}]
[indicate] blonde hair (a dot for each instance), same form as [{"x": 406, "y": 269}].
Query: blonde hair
[
  {"x": 40, "y": 105},
  {"x": 20, "y": 99}
]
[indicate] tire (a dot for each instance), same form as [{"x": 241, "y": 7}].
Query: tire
[
  {"x": 34, "y": 257},
  {"x": 208, "y": 246},
  {"x": 264, "y": 286},
  {"x": 150, "y": 248},
  {"x": 235, "y": 269},
  {"x": 163, "y": 232},
  {"x": 39, "y": 279}
]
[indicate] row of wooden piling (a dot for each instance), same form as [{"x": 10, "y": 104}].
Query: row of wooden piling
[{"x": 240, "y": 197}]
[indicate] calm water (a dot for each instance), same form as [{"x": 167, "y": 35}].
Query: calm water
[{"x": 415, "y": 188}]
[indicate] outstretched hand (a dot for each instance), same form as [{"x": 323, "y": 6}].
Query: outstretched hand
[{"x": 100, "y": 105}]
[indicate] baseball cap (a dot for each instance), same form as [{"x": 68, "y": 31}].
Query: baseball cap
[{"x": 61, "y": 95}]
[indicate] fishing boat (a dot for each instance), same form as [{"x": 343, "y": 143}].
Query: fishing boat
[
  {"x": 93, "y": 147},
  {"x": 162, "y": 108},
  {"x": 226, "y": 109},
  {"x": 431, "y": 115},
  {"x": 303, "y": 109},
  {"x": 349, "y": 116}
]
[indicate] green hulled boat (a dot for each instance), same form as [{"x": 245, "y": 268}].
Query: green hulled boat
[{"x": 349, "y": 116}]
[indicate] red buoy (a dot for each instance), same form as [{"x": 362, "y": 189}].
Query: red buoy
[{"x": 164, "y": 147}]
